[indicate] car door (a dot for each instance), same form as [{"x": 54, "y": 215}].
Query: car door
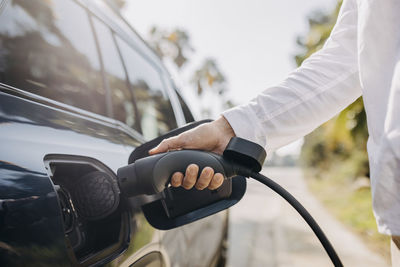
[
  {"x": 156, "y": 116},
  {"x": 132, "y": 80},
  {"x": 204, "y": 237},
  {"x": 159, "y": 108}
]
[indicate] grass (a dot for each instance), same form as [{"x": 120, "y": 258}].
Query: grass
[{"x": 351, "y": 206}]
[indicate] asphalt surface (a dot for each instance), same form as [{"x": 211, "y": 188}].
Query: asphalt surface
[{"x": 266, "y": 231}]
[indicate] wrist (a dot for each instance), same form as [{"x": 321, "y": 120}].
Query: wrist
[{"x": 224, "y": 127}]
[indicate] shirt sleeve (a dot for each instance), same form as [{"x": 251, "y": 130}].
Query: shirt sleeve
[
  {"x": 385, "y": 169},
  {"x": 326, "y": 83}
]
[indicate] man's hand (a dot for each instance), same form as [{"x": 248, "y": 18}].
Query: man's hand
[{"x": 213, "y": 136}]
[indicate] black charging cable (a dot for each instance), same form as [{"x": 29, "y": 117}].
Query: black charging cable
[{"x": 303, "y": 212}]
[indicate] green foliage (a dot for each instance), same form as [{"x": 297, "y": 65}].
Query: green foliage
[
  {"x": 321, "y": 26},
  {"x": 352, "y": 207},
  {"x": 343, "y": 138}
]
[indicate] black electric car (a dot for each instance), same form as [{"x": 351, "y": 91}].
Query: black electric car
[{"x": 79, "y": 91}]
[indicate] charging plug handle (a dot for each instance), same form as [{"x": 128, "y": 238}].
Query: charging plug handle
[{"x": 150, "y": 175}]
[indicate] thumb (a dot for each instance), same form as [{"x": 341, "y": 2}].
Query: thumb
[{"x": 171, "y": 143}]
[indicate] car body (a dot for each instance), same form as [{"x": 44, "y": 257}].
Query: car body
[{"x": 79, "y": 91}]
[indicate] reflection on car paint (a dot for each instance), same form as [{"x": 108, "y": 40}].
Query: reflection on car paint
[
  {"x": 30, "y": 222},
  {"x": 143, "y": 238}
]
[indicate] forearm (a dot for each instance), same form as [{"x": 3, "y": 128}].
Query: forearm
[
  {"x": 324, "y": 85},
  {"x": 279, "y": 116}
]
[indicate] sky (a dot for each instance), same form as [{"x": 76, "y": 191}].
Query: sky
[{"x": 253, "y": 41}]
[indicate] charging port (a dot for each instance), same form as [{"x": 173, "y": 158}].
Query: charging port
[{"x": 88, "y": 240}]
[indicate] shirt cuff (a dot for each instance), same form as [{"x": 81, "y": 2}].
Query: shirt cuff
[{"x": 244, "y": 123}]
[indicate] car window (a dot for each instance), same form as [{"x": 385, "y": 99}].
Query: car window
[
  {"x": 186, "y": 111},
  {"x": 122, "y": 99},
  {"x": 155, "y": 109},
  {"x": 104, "y": 7},
  {"x": 48, "y": 48}
]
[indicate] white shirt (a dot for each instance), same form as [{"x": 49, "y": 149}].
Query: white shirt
[{"x": 362, "y": 56}]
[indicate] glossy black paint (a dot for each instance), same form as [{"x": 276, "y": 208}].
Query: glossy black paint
[
  {"x": 30, "y": 215},
  {"x": 30, "y": 219},
  {"x": 31, "y": 224}
]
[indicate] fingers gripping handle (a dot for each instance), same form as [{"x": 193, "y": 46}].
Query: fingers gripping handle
[
  {"x": 150, "y": 175},
  {"x": 179, "y": 160}
]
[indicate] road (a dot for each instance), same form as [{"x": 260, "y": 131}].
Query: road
[{"x": 266, "y": 231}]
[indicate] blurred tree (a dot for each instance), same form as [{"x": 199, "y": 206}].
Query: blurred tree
[
  {"x": 173, "y": 44},
  {"x": 209, "y": 76},
  {"x": 343, "y": 138},
  {"x": 207, "y": 79}
]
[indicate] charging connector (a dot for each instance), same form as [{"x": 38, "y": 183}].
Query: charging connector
[{"x": 151, "y": 175}]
